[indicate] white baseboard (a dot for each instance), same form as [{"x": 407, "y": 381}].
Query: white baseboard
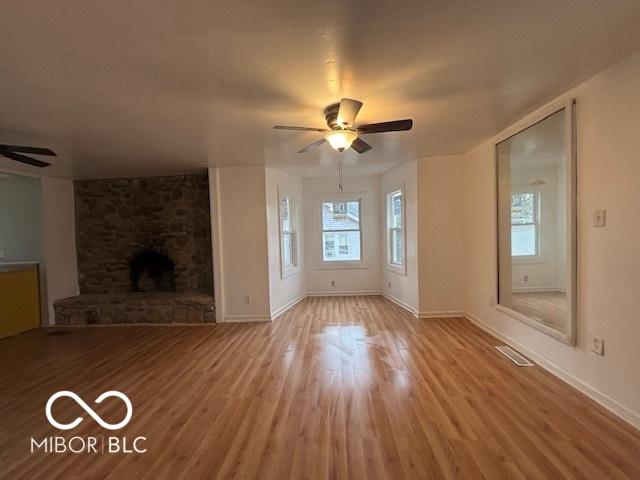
[
  {"x": 400, "y": 303},
  {"x": 344, "y": 293},
  {"x": 246, "y": 318},
  {"x": 287, "y": 306},
  {"x": 428, "y": 314},
  {"x": 538, "y": 289},
  {"x": 441, "y": 314},
  {"x": 626, "y": 414}
]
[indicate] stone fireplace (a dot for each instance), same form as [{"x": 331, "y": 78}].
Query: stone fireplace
[{"x": 144, "y": 252}]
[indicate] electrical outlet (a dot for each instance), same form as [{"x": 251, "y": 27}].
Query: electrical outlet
[
  {"x": 389, "y": 284},
  {"x": 2, "y": 254},
  {"x": 492, "y": 301},
  {"x": 597, "y": 345},
  {"x": 333, "y": 283},
  {"x": 247, "y": 300},
  {"x": 526, "y": 278},
  {"x": 599, "y": 218}
]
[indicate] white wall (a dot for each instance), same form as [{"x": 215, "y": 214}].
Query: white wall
[
  {"x": 608, "y": 116},
  {"x": 61, "y": 264},
  {"x": 239, "y": 236},
  {"x": 283, "y": 292},
  {"x": 363, "y": 279},
  {"x": 440, "y": 236},
  {"x": 402, "y": 289}
]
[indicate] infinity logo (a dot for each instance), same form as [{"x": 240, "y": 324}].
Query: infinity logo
[{"x": 89, "y": 410}]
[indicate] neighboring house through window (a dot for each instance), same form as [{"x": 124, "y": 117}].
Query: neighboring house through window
[{"x": 341, "y": 231}]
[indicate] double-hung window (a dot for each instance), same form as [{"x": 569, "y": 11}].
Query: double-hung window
[
  {"x": 395, "y": 230},
  {"x": 341, "y": 231},
  {"x": 288, "y": 234},
  {"x": 525, "y": 224}
]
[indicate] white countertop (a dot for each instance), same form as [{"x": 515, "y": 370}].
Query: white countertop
[{"x": 15, "y": 266}]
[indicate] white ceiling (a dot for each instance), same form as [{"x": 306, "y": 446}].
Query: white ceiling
[{"x": 125, "y": 88}]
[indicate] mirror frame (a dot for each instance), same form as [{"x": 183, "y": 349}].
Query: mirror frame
[{"x": 570, "y": 335}]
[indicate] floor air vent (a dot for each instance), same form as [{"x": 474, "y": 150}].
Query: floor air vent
[{"x": 514, "y": 356}]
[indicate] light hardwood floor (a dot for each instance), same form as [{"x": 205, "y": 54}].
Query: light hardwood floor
[
  {"x": 549, "y": 308},
  {"x": 350, "y": 387}
]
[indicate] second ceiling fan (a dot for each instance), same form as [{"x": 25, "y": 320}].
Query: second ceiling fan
[{"x": 342, "y": 133}]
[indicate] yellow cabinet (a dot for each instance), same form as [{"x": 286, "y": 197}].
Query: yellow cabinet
[{"x": 19, "y": 298}]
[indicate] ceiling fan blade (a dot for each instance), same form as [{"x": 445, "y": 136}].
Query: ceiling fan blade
[
  {"x": 360, "y": 146},
  {"x": 312, "y": 146},
  {"x": 304, "y": 129},
  {"x": 393, "y": 126},
  {"x": 33, "y": 150},
  {"x": 24, "y": 159},
  {"x": 348, "y": 111}
]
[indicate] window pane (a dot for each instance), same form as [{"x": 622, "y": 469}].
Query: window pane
[
  {"x": 394, "y": 227},
  {"x": 522, "y": 208},
  {"x": 287, "y": 250},
  {"x": 285, "y": 214},
  {"x": 397, "y": 247},
  {"x": 523, "y": 240},
  {"x": 395, "y": 210},
  {"x": 340, "y": 216},
  {"x": 341, "y": 247}
]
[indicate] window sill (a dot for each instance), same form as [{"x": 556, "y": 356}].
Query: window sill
[
  {"x": 290, "y": 272},
  {"x": 527, "y": 260},
  {"x": 397, "y": 270},
  {"x": 342, "y": 266}
]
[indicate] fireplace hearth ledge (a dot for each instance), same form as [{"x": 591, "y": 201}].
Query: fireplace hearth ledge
[{"x": 136, "y": 307}]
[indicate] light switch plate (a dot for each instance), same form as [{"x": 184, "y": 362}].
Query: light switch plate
[{"x": 599, "y": 218}]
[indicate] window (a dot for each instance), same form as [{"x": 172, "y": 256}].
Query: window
[
  {"x": 524, "y": 224},
  {"x": 288, "y": 235},
  {"x": 341, "y": 231},
  {"x": 395, "y": 230}
]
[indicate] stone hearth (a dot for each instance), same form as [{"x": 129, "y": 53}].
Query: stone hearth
[{"x": 142, "y": 307}]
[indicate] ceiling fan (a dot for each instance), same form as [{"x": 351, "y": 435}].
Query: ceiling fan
[
  {"x": 341, "y": 133},
  {"x": 14, "y": 152}
]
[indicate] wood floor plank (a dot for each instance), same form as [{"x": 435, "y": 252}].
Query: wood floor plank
[{"x": 341, "y": 387}]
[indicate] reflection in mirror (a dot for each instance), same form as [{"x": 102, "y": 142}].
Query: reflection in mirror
[{"x": 534, "y": 261}]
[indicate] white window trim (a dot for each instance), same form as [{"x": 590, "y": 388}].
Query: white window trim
[
  {"x": 392, "y": 267},
  {"x": 285, "y": 271},
  {"x": 320, "y": 263},
  {"x": 538, "y": 257}
]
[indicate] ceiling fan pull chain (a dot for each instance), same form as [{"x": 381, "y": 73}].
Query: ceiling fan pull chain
[{"x": 340, "y": 175}]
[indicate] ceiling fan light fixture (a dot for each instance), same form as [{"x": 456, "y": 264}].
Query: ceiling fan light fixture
[{"x": 340, "y": 140}]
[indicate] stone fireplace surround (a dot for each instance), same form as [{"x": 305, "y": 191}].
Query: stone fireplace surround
[{"x": 119, "y": 218}]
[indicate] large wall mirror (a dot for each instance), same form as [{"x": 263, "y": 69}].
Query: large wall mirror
[{"x": 536, "y": 181}]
